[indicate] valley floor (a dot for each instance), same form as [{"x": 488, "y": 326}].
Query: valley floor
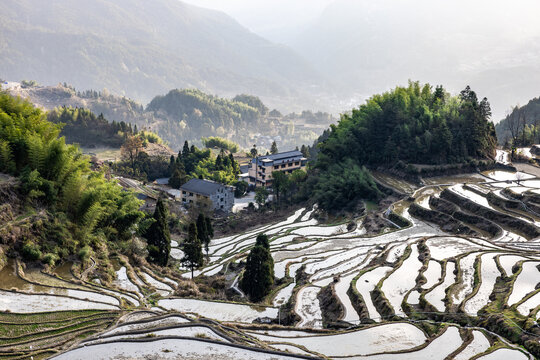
[{"x": 410, "y": 292}]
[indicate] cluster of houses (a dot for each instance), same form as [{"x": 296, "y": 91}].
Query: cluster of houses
[{"x": 259, "y": 173}]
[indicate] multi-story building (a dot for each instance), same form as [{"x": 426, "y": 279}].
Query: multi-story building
[
  {"x": 261, "y": 167},
  {"x": 207, "y": 192}
]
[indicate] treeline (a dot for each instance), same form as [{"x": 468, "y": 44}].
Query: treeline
[
  {"x": 84, "y": 212},
  {"x": 83, "y": 127},
  {"x": 521, "y": 127},
  {"x": 193, "y": 162},
  {"x": 408, "y": 125}
]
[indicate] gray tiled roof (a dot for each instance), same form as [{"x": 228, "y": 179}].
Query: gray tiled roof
[
  {"x": 205, "y": 187},
  {"x": 279, "y": 158}
]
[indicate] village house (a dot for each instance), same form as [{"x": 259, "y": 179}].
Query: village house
[
  {"x": 201, "y": 192},
  {"x": 261, "y": 167}
]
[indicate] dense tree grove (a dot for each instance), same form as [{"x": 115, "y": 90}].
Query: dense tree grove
[
  {"x": 220, "y": 143},
  {"x": 258, "y": 276},
  {"x": 83, "y": 127},
  {"x": 521, "y": 127},
  {"x": 158, "y": 236},
  {"x": 192, "y": 162},
  {"x": 86, "y": 210},
  {"x": 414, "y": 124}
]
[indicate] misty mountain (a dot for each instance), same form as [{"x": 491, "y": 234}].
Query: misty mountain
[
  {"x": 139, "y": 48},
  {"x": 370, "y": 46}
]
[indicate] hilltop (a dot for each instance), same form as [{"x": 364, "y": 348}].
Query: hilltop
[{"x": 139, "y": 50}]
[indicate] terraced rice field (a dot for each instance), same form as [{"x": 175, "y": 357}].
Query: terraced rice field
[{"x": 410, "y": 292}]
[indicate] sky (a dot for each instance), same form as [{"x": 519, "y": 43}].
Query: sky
[{"x": 272, "y": 19}]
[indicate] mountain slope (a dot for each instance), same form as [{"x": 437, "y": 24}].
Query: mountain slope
[
  {"x": 369, "y": 46},
  {"x": 142, "y": 48}
]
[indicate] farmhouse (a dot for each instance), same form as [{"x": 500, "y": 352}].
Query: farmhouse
[{"x": 201, "y": 192}]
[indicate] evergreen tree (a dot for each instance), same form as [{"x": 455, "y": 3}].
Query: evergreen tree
[
  {"x": 274, "y": 149},
  {"x": 262, "y": 240},
  {"x": 193, "y": 256},
  {"x": 178, "y": 178},
  {"x": 202, "y": 231},
  {"x": 185, "y": 149},
  {"x": 158, "y": 236},
  {"x": 253, "y": 152},
  {"x": 209, "y": 227},
  {"x": 258, "y": 276}
]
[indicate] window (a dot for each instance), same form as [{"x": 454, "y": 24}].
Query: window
[
  {"x": 297, "y": 163},
  {"x": 290, "y": 164},
  {"x": 282, "y": 166},
  {"x": 191, "y": 201},
  {"x": 184, "y": 192},
  {"x": 183, "y": 199},
  {"x": 190, "y": 194},
  {"x": 221, "y": 207}
]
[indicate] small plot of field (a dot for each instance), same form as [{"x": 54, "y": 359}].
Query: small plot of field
[
  {"x": 167, "y": 349},
  {"x": 43, "y": 333},
  {"x": 439, "y": 348},
  {"x": 393, "y": 182},
  {"x": 373, "y": 340},
  {"x": 221, "y": 311},
  {"x": 103, "y": 153},
  {"x": 505, "y": 354}
]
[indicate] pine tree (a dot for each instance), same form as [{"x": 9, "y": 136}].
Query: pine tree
[
  {"x": 185, "y": 149},
  {"x": 258, "y": 276},
  {"x": 262, "y": 240},
  {"x": 178, "y": 178},
  {"x": 158, "y": 236},
  {"x": 202, "y": 231},
  {"x": 193, "y": 256},
  {"x": 273, "y": 148},
  {"x": 209, "y": 227}
]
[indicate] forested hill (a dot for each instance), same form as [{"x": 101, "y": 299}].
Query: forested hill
[
  {"x": 189, "y": 114},
  {"x": 414, "y": 124},
  {"x": 523, "y": 123},
  {"x": 408, "y": 125},
  {"x": 139, "y": 49}
]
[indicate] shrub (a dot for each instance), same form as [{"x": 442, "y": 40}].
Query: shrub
[{"x": 31, "y": 251}]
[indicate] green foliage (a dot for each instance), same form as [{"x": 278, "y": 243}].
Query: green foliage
[
  {"x": 57, "y": 176},
  {"x": 28, "y": 83},
  {"x": 177, "y": 179},
  {"x": 258, "y": 276},
  {"x": 343, "y": 185},
  {"x": 158, "y": 236},
  {"x": 522, "y": 124},
  {"x": 205, "y": 230},
  {"x": 252, "y": 101},
  {"x": 410, "y": 124},
  {"x": 31, "y": 251},
  {"x": 274, "y": 148},
  {"x": 261, "y": 194},
  {"x": 83, "y": 127},
  {"x": 220, "y": 143},
  {"x": 262, "y": 240},
  {"x": 240, "y": 188},
  {"x": 193, "y": 256},
  {"x": 415, "y": 125}
]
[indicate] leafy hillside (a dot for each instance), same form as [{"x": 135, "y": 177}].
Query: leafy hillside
[
  {"x": 57, "y": 207},
  {"x": 140, "y": 49},
  {"x": 522, "y": 123},
  {"x": 414, "y": 125},
  {"x": 182, "y": 115}
]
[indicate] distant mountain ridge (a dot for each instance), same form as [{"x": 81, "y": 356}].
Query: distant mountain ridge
[{"x": 140, "y": 48}]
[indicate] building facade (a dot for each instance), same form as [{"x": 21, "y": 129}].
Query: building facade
[
  {"x": 207, "y": 193},
  {"x": 261, "y": 167}
]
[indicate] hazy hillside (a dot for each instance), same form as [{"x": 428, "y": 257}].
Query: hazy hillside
[
  {"x": 188, "y": 114},
  {"x": 528, "y": 114},
  {"x": 368, "y": 46},
  {"x": 140, "y": 49}
]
